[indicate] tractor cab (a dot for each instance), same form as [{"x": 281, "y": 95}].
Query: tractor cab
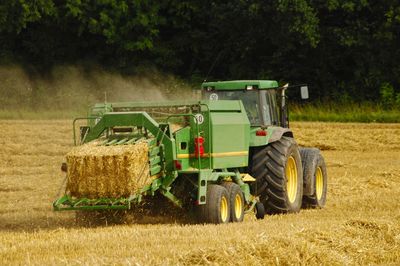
[{"x": 261, "y": 98}]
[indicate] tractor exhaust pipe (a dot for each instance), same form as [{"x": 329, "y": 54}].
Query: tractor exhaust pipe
[{"x": 284, "y": 117}]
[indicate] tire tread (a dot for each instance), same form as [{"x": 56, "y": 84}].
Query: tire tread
[{"x": 267, "y": 165}]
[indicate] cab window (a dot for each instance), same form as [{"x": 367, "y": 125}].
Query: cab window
[
  {"x": 250, "y": 100},
  {"x": 272, "y": 107}
]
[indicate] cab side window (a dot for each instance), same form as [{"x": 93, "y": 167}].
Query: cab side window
[
  {"x": 273, "y": 106},
  {"x": 265, "y": 108}
]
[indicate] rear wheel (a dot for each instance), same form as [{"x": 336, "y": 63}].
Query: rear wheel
[
  {"x": 279, "y": 176},
  {"x": 217, "y": 209},
  {"x": 236, "y": 201},
  {"x": 315, "y": 173}
]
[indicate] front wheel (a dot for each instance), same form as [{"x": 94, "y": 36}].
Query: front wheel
[{"x": 279, "y": 176}]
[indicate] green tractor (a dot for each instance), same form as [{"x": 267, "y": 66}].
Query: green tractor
[
  {"x": 287, "y": 177},
  {"x": 233, "y": 153}
]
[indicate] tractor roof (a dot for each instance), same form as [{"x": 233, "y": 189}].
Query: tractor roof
[{"x": 240, "y": 84}]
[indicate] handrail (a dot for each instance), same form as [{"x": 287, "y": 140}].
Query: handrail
[
  {"x": 80, "y": 118},
  {"x": 197, "y": 128},
  {"x": 209, "y": 132}
]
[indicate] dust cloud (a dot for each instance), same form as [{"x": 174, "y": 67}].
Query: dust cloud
[{"x": 75, "y": 87}]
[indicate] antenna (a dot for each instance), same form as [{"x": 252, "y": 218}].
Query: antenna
[{"x": 212, "y": 66}]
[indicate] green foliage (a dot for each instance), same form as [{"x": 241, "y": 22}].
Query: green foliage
[
  {"x": 327, "y": 112},
  {"x": 389, "y": 99},
  {"x": 397, "y": 101},
  {"x": 130, "y": 25},
  {"x": 46, "y": 32},
  {"x": 303, "y": 19},
  {"x": 344, "y": 49},
  {"x": 16, "y": 15}
]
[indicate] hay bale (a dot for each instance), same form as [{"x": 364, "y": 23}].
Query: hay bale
[
  {"x": 107, "y": 171},
  {"x": 175, "y": 127}
]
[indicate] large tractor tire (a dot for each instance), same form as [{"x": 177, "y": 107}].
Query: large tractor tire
[
  {"x": 217, "y": 209},
  {"x": 279, "y": 176},
  {"x": 315, "y": 177},
  {"x": 236, "y": 201}
]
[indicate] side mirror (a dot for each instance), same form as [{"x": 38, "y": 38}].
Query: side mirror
[{"x": 304, "y": 92}]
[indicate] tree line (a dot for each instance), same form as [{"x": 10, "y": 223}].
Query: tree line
[{"x": 344, "y": 49}]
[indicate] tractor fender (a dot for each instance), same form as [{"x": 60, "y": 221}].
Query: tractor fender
[
  {"x": 278, "y": 133},
  {"x": 274, "y": 134}
]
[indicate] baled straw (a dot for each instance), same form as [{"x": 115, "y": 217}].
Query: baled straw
[{"x": 96, "y": 171}]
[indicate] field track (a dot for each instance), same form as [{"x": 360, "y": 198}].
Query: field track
[{"x": 360, "y": 224}]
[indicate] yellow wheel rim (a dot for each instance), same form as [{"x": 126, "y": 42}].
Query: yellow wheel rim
[
  {"x": 319, "y": 183},
  {"x": 291, "y": 179},
  {"x": 224, "y": 209},
  {"x": 238, "y": 206}
]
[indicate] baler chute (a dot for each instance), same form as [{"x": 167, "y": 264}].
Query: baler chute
[{"x": 137, "y": 126}]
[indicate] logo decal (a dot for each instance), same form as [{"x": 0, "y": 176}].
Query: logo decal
[
  {"x": 213, "y": 97},
  {"x": 199, "y": 119}
]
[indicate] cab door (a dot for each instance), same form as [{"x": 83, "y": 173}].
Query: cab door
[{"x": 269, "y": 107}]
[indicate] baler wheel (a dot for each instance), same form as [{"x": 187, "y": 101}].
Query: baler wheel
[
  {"x": 217, "y": 208},
  {"x": 314, "y": 169},
  {"x": 236, "y": 200},
  {"x": 279, "y": 176},
  {"x": 260, "y": 211}
]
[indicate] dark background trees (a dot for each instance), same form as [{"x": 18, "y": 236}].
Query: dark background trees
[{"x": 344, "y": 49}]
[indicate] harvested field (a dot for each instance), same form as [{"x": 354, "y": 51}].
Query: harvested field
[{"x": 360, "y": 224}]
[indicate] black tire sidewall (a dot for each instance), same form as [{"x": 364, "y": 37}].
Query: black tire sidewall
[
  {"x": 312, "y": 159},
  {"x": 268, "y": 165},
  {"x": 260, "y": 210},
  {"x": 309, "y": 160},
  {"x": 211, "y": 211}
]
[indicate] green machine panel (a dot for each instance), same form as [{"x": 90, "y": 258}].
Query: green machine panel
[{"x": 230, "y": 139}]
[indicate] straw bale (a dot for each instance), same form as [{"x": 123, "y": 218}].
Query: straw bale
[
  {"x": 96, "y": 171},
  {"x": 175, "y": 127}
]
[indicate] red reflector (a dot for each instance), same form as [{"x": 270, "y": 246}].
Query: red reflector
[
  {"x": 198, "y": 147},
  {"x": 261, "y": 132},
  {"x": 178, "y": 165}
]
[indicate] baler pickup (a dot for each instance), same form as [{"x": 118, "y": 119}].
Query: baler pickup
[{"x": 67, "y": 203}]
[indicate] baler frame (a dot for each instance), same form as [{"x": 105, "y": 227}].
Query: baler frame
[{"x": 167, "y": 173}]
